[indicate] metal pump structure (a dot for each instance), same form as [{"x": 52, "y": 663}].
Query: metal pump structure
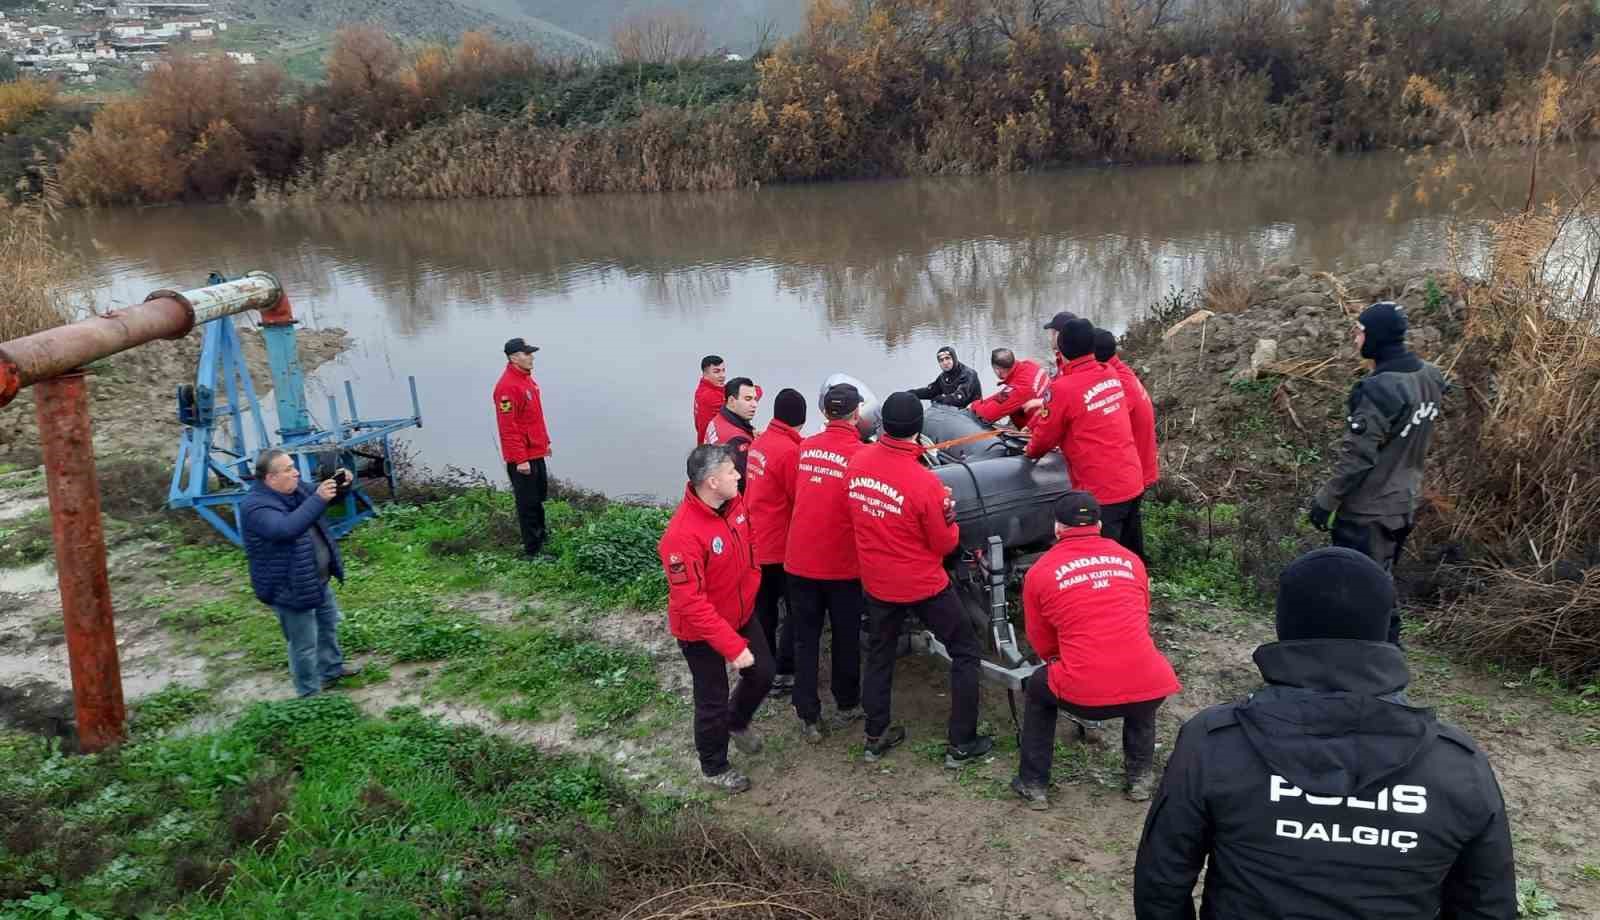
[
  {"x": 51, "y": 361},
  {"x": 210, "y": 476}
]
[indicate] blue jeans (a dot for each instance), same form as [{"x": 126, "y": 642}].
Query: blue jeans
[{"x": 313, "y": 635}]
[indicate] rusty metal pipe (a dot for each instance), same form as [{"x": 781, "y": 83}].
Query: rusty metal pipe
[
  {"x": 62, "y": 405},
  {"x": 164, "y": 315}
]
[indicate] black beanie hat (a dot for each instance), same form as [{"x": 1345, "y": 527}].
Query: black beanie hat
[
  {"x": 789, "y": 407},
  {"x": 1385, "y": 325},
  {"x": 902, "y": 415},
  {"x": 1076, "y": 339},
  {"x": 1105, "y": 345},
  {"x": 1334, "y": 593}
]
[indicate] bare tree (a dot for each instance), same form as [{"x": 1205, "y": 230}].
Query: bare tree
[{"x": 659, "y": 36}]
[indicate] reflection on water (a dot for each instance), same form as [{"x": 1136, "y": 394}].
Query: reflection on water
[{"x": 626, "y": 292}]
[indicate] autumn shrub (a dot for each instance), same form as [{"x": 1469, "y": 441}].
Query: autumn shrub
[{"x": 21, "y": 100}]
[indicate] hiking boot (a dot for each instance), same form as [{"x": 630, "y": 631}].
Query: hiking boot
[
  {"x": 811, "y": 732},
  {"x": 973, "y": 751},
  {"x": 1033, "y": 795},
  {"x": 782, "y": 685},
  {"x": 879, "y": 747},
  {"x": 846, "y": 716},
  {"x": 1141, "y": 787},
  {"x": 747, "y": 741},
  {"x": 730, "y": 781}
]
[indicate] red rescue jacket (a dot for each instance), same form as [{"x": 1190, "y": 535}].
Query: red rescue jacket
[
  {"x": 520, "y": 415},
  {"x": 708, "y": 401},
  {"x": 897, "y": 515},
  {"x": 769, "y": 497},
  {"x": 1085, "y": 413},
  {"x": 1142, "y": 416},
  {"x": 1026, "y": 381},
  {"x": 712, "y": 575},
  {"x": 821, "y": 543},
  {"x": 1086, "y": 607}
]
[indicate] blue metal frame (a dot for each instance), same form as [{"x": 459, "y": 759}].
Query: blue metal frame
[{"x": 214, "y": 478}]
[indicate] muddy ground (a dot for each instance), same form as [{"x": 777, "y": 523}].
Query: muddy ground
[{"x": 906, "y": 819}]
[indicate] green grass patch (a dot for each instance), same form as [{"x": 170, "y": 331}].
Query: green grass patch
[
  {"x": 168, "y": 708},
  {"x": 27, "y": 539},
  {"x": 301, "y": 808},
  {"x": 533, "y": 674},
  {"x": 1192, "y": 554}
]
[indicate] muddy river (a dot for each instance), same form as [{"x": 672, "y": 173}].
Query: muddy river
[{"x": 625, "y": 293}]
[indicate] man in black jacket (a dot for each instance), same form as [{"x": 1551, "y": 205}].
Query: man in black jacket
[
  {"x": 957, "y": 385},
  {"x": 1376, "y": 484},
  {"x": 1326, "y": 794}
]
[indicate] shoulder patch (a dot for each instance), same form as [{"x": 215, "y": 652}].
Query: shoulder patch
[
  {"x": 677, "y": 571},
  {"x": 505, "y": 404}
]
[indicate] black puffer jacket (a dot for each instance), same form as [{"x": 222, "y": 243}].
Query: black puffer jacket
[
  {"x": 1326, "y": 796},
  {"x": 956, "y": 387}
]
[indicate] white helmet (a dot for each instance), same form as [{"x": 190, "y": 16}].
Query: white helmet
[{"x": 868, "y": 425}]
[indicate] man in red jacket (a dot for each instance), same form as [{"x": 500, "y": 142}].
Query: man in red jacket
[
  {"x": 712, "y": 581},
  {"x": 1086, "y": 607},
  {"x": 904, "y": 523},
  {"x": 824, "y": 573},
  {"x": 524, "y": 441},
  {"x": 1142, "y": 416},
  {"x": 733, "y": 425},
  {"x": 1020, "y": 381},
  {"x": 708, "y": 398},
  {"x": 1085, "y": 414},
  {"x": 769, "y": 496}
]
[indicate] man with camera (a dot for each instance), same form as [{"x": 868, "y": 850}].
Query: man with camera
[{"x": 292, "y": 557}]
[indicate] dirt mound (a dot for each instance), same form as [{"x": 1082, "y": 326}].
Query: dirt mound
[{"x": 131, "y": 395}]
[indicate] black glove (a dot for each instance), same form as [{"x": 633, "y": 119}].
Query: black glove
[{"x": 1320, "y": 516}]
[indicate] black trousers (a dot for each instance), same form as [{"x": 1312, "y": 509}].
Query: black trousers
[
  {"x": 715, "y": 712},
  {"x": 842, "y": 604},
  {"x": 779, "y": 629},
  {"x": 1121, "y": 522},
  {"x": 1039, "y": 730},
  {"x": 1382, "y": 545},
  {"x": 530, "y": 489},
  {"x": 942, "y": 615}
]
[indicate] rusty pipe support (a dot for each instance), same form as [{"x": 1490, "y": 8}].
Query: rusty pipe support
[
  {"x": 62, "y": 408},
  {"x": 164, "y": 315}
]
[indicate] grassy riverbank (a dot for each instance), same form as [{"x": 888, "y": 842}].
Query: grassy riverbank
[{"x": 904, "y": 87}]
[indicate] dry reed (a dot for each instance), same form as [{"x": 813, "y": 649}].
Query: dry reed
[{"x": 36, "y": 277}]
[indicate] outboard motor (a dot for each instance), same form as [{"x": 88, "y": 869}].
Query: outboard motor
[{"x": 868, "y": 426}]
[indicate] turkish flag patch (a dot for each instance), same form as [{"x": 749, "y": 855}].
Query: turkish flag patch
[
  {"x": 677, "y": 572},
  {"x": 505, "y": 405}
]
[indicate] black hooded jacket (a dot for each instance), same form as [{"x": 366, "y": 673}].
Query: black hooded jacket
[
  {"x": 1325, "y": 795},
  {"x": 956, "y": 387}
]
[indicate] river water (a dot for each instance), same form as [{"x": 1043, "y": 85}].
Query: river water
[{"x": 624, "y": 293}]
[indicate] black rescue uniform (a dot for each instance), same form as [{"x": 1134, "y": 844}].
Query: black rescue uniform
[
  {"x": 1376, "y": 484},
  {"x": 1325, "y": 795},
  {"x": 957, "y": 387}
]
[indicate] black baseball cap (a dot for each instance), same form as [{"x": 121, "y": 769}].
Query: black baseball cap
[
  {"x": 1060, "y": 320},
  {"x": 841, "y": 400},
  {"x": 1077, "y": 509},
  {"x": 518, "y": 345}
]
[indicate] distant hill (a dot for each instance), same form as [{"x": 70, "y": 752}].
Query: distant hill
[
  {"x": 737, "y": 24},
  {"x": 431, "y": 19}
]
